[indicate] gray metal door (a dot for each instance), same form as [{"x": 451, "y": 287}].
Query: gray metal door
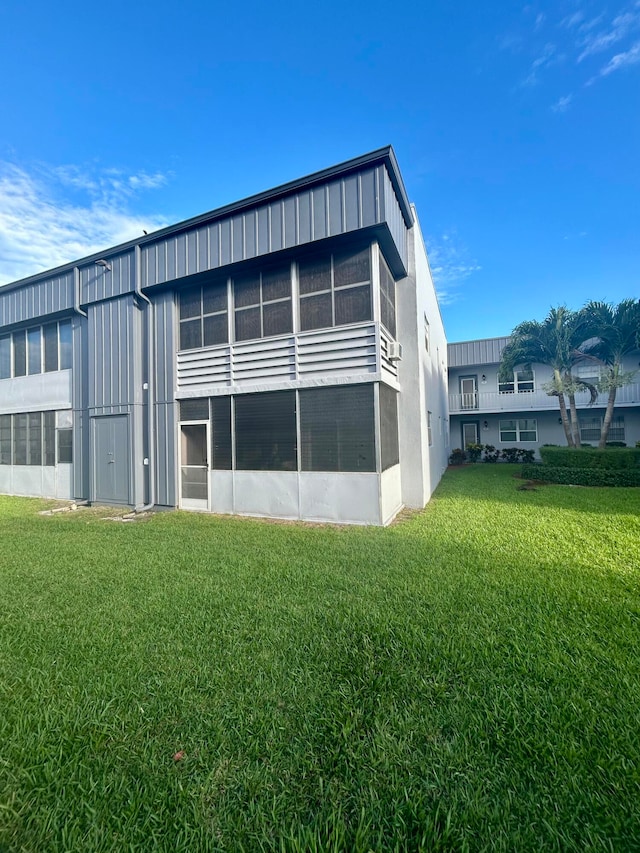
[{"x": 111, "y": 459}]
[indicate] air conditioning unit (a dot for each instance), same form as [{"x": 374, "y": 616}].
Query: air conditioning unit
[{"x": 395, "y": 351}]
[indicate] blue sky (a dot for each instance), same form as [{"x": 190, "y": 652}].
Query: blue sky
[{"x": 516, "y": 126}]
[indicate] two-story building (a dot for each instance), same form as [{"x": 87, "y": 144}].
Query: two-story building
[
  {"x": 282, "y": 356},
  {"x": 519, "y": 412}
]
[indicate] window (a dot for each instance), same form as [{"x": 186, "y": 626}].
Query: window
[
  {"x": 591, "y": 428},
  {"x": 335, "y": 289},
  {"x": 389, "y": 447},
  {"x": 5, "y": 357},
  {"x": 20, "y": 433},
  {"x": 204, "y": 315},
  {"x": 387, "y": 298},
  {"x": 262, "y": 303},
  {"x": 50, "y": 336},
  {"x": 5, "y": 439},
  {"x": 427, "y": 334},
  {"x": 19, "y": 353},
  {"x": 65, "y": 445},
  {"x": 221, "y": 433},
  {"x": 523, "y": 382},
  {"x": 429, "y": 429},
  {"x": 588, "y": 372},
  {"x": 525, "y": 429},
  {"x": 266, "y": 431},
  {"x": 34, "y": 349},
  {"x": 66, "y": 344},
  {"x": 49, "y": 437},
  {"x": 337, "y": 428}
]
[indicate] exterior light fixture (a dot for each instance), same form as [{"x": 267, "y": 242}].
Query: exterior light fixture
[
  {"x": 485, "y": 425},
  {"x": 484, "y": 379},
  {"x": 103, "y": 263}
]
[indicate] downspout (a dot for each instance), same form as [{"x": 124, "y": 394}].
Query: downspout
[
  {"x": 76, "y": 293},
  {"x": 151, "y": 438}
]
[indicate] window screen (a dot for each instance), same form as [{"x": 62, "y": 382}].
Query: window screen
[
  {"x": 66, "y": 344},
  {"x": 5, "y": 439},
  {"x": 262, "y": 303},
  {"x": 266, "y": 431},
  {"x": 19, "y": 354},
  {"x": 335, "y": 289},
  {"x": 388, "y": 300},
  {"x": 221, "y": 433},
  {"x": 5, "y": 357},
  {"x": 49, "y": 437},
  {"x": 35, "y": 350},
  {"x": 337, "y": 428},
  {"x": 34, "y": 456},
  {"x": 65, "y": 445},
  {"x": 50, "y": 336},
  {"x": 194, "y": 410},
  {"x": 203, "y": 315},
  {"x": 19, "y": 439},
  {"x": 390, "y": 450}
]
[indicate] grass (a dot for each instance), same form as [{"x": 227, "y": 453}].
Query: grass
[{"x": 468, "y": 679}]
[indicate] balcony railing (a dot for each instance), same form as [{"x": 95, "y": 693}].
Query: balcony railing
[{"x": 494, "y": 401}]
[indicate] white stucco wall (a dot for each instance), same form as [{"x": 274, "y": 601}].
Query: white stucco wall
[{"x": 423, "y": 379}]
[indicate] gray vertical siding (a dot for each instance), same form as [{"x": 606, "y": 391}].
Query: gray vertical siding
[
  {"x": 114, "y": 353},
  {"x": 79, "y": 393},
  {"x": 340, "y": 206},
  {"x": 36, "y": 299},
  {"x": 486, "y": 351},
  {"x": 97, "y": 283},
  {"x": 165, "y": 348}
]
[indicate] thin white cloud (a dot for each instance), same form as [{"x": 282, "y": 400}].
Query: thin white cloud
[
  {"x": 547, "y": 57},
  {"x": 562, "y": 104},
  {"x": 620, "y": 27},
  {"x": 52, "y": 215},
  {"x": 622, "y": 60},
  {"x": 450, "y": 265}
]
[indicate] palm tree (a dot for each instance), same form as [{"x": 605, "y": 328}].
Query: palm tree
[
  {"x": 616, "y": 331},
  {"x": 555, "y": 342}
]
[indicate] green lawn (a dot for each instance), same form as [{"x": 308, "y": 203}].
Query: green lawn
[{"x": 468, "y": 679}]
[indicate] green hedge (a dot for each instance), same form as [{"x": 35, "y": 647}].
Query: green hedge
[
  {"x": 581, "y": 476},
  {"x": 609, "y": 459}
]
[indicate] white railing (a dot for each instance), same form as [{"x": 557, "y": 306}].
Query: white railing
[{"x": 494, "y": 401}]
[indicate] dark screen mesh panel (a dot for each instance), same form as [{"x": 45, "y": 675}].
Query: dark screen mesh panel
[
  {"x": 246, "y": 290},
  {"x": 277, "y": 318},
  {"x": 389, "y": 447},
  {"x": 248, "y": 324},
  {"x": 5, "y": 439},
  {"x": 190, "y": 334},
  {"x": 353, "y": 305},
  {"x": 215, "y": 329},
  {"x": 221, "y": 433},
  {"x": 351, "y": 267},
  {"x": 387, "y": 299},
  {"x": 194, "y": 410},
  {"x": 49, "y": 437},
  {"x": 266, "y": 431},
  {"x": 35, "y": 438},
  {"x": 214, "y": 298},
  {"x": 19, "y": 354},
  {"x": 315, "y": 312},
  {"x": 315, "y": 275},
  {"x": 276, "y": 284},
  {"x": 66, "y": 344},
  {"x": 50, "y": 335},
  {"x": 19, "y": 439},
  {"x": 190, "y": 302},
  {"x": 337, "y": 428}
]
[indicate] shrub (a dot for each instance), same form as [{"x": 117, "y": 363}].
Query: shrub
[
  {"x": 581, "y": 476},
  {"x": 490, "y": 453},
  {"x": 510, "y": 454},
  {"x": 527, "y": 456},
  {"x": 616, "y": 444},
  {"x": 474, "y": 452},
  {"x": 611, "y": 458},
  {"x": 458, "y": 456}
]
